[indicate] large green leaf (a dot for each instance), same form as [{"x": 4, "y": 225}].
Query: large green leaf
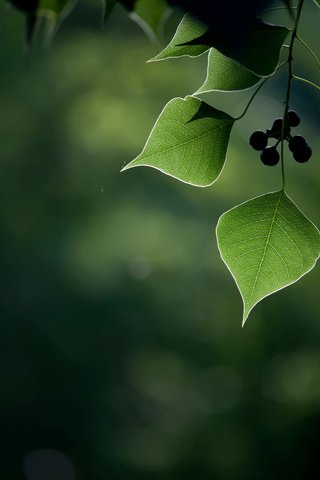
[
  {"x": 225, "y": 74},
  {"x": 188, "y": 29},
  {"x": 267, "y": 244},
  {"x": 258, "y": 51},
  {"x": 189, "y": 142}
]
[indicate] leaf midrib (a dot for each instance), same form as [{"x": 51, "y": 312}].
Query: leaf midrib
[
  {"x": 266, "y": 246},
  {"x": 210, "y": 132}
]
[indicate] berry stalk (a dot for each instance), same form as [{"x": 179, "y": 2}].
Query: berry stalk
[{"x": 290, "y": 78}]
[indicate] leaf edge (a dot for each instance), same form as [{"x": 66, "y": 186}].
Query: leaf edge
[{"x": 247, "y": 313}]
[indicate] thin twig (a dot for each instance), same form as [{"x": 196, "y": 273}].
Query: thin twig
[
  {"x": 301, "y": 79},
  {"x": 258, "y": 89},
  {"x": 309, "y": 49}
]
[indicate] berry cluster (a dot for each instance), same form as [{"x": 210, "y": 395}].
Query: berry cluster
[{"x": 297, "y": 145}]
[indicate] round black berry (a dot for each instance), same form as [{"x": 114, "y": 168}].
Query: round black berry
[
  {"x": 297, "y": 143},
  {"x": 258, "y": 140},
  {"x": 293, "y": 118},
  {"x": 276, "y": 130},
  {"x": 269, "y": 156},
  {"x": 303, "y": 155},
  {"x": 277, "y": 125}
]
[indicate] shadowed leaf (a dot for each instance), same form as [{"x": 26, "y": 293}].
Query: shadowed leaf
[
  {"x": 258, "y": 51},
  {"x": 188, "y": 29}
]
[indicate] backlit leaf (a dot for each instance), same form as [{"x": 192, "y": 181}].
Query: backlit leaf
[
  {"x": 189, "y": 142},
  {"x": 225, "y": 74},
  {"x": 267, "y": 244},
  {"x": 188, "y": 29}
]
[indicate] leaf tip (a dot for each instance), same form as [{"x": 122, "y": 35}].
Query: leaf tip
[
  {"x": 126, "y": 167},
  {"x": 152, "y": 59},
  {"x": 244, "y": 319}
]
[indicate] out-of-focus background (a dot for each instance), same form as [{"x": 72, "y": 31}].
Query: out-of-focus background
[{"x": 122, "y": 353}]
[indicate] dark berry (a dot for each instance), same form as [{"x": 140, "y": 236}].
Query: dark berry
[
  {"x": 297, "y": 143},
  {"x": 293, "y": 118},
  {"x": 276, "y": 130},
  {"x": 269, "y": 156},
  {"x": 258, "y": 140},
  {"x": 303, "y": 155},
  {"x": 277, "y": 125}
]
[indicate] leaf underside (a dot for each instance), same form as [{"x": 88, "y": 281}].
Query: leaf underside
[
  {"x": 188, "y": 142},
  {"x": 267, "y": 244},
  {"x": 225, "y": 74}
]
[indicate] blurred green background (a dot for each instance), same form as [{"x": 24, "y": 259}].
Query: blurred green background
[{"x": 122, "y": 353}]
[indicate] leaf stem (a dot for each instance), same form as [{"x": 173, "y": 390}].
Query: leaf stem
[
  {"x": 257, "y": 91},
  {"x": 252, "y": 98},
  {"x": 309, "y": 49},
  {"x": 301, "y": 79},
  {"x": 273, "y": 9},
  {"x": 290, "y": 78}
]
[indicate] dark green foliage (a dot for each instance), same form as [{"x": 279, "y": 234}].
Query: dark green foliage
[
  {"x": 228, "y": 21},
  {"x": 119, "y": 338},
  {"x": 190, "y": 138}
]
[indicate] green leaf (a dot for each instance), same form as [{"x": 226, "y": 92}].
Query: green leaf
[
  {"x": 225, "y": 74},
  {"x": 263, "y": 46},
  {"x": 259, "y": 51},
  {"x": 188, "y": 142},
  {"x": 317, "y": 2},
  {"x": 188, "y": 29},
  {"x": 267, "y": 244}
]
